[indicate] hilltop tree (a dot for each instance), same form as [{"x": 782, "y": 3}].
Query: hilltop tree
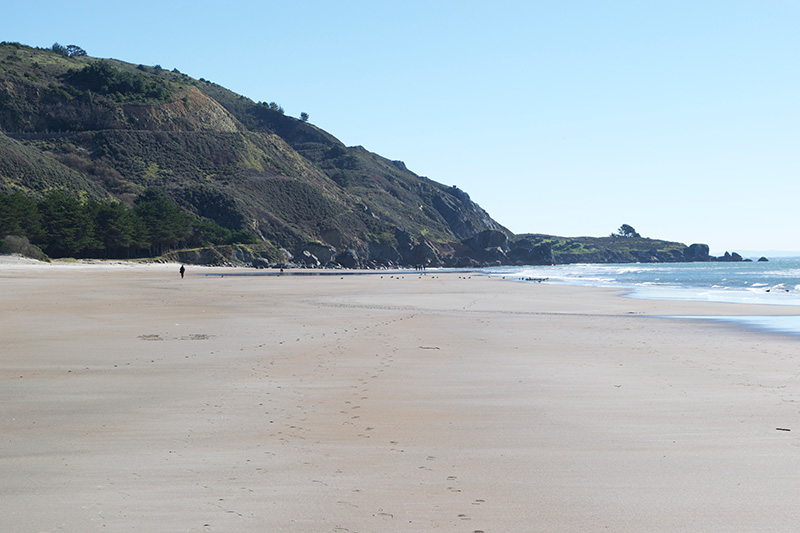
[
  {"x": 70, "y": 50},
  {"x": 104, "y": 78},
  {"x": 304, "y": 116},
  {"x": 75, "y": 51},
  {"x": 626, "y": 231},
  {"x": 60, "y": 49}
]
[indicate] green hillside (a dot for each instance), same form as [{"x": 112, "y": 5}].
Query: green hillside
[
  {"x": 106, "y": 129},
  {"x": 566, "y": 250}
]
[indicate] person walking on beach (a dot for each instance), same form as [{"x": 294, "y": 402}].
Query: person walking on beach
[{"x": 182, "y": 271}]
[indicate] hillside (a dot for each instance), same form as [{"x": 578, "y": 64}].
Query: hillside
[
  {"x": 108, "y": 129},
  {"x": 615, "y": 249},
  {"x": 124, "y": 141}
]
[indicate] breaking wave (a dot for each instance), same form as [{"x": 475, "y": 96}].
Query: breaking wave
[{"x": 774, "y": 282}]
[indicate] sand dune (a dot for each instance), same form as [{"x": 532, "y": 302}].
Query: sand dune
[{"x": 133, "y": 400}]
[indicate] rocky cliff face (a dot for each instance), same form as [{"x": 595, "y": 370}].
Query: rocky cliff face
[{"x": 190, "y": 111}]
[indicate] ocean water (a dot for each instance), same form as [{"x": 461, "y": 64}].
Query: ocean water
[
  {"x": 776, "y": 282},
  {"x": 773, "y": 282}
]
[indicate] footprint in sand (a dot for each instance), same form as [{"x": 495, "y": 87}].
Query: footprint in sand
[{"x": 452, "y": 489}]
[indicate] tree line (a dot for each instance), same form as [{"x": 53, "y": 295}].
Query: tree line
[
  {"x": 103, "y": 78},
  {"x": 64, "y": 226},
  {"x": 70, "y": 50}
]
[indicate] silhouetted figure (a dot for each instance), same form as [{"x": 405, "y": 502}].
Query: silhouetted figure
[{"x": 182, "y": 271}]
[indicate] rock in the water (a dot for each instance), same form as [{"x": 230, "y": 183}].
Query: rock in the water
[
  {"x": 730, "y": 257},
  {"x": 696, "y": 252}
]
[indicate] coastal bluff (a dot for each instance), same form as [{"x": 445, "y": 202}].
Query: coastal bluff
[
  {"x": 538, "y": 249},
  {"x": 488, "y": 248}
]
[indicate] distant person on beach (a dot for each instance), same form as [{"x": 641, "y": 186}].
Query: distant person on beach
[{"x": 182, "y": 271}]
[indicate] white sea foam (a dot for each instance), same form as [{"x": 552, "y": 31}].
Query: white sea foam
[{"x": 775, "y": 282}]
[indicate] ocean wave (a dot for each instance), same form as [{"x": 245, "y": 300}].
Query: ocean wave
[{"x": 750, "y": 282}]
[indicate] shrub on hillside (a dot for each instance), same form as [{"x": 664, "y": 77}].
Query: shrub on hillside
[
  {"x": 103, "y": 78},
  {"x": 14, "y": 244}
]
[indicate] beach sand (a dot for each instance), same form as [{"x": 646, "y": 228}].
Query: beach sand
[{"x": 133, "y": 400}]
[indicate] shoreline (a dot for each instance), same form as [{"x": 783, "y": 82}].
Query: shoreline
[
  {"x": 755, "y": 294},
  {"x": 133, "y": 399},
  {"x": 765, "y": 322}
]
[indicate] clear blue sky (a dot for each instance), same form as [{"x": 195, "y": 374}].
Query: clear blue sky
[{"x": 680, "y": 118}]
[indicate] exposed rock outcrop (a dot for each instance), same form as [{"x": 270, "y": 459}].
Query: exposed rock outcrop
[
  {"x": 696, "y": 253},
  {"x": 525, "y": 252},
  {"x": 323, "y": 253},
  {"x": 348, "y": 259},
  {"x": 730, "y": 257},
  {"x": 260, "y": 262}
]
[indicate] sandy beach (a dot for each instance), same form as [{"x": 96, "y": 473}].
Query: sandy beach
[{"x": 134, "y": 400}]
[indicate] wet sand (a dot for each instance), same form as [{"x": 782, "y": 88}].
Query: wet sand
[{"x": 132, "y": 400}]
